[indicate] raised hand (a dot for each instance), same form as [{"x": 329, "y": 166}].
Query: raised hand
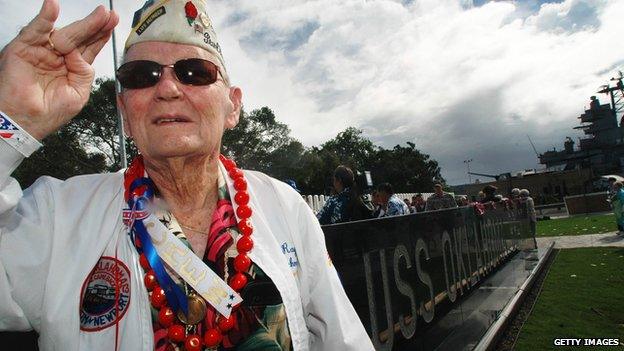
[{"x": 46, "y": 74}]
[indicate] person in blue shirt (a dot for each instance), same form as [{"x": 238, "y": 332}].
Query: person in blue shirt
[
  {"x": 394, "y": 205},
  {"x": 347, "y": 204}
]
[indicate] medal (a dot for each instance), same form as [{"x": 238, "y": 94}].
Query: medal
[{"x": 196, "y": 310}]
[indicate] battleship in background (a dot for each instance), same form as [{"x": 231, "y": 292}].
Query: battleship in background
[
  {"x": 602, "y": 149},
  {"x": 573, "y": 170}
]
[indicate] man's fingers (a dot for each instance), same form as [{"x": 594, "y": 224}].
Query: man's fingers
[
  {"x": 113, "y": 20},
  {"x": 105, "y": 31},
  {"x": 36, "y": 32},
  {"x": 92, "y": 50},
  {"x": 79, "y": 72},
  {"x": 82, "y": 32}
]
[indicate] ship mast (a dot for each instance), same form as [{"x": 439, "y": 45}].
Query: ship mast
[{"x": 616, "y": 93}]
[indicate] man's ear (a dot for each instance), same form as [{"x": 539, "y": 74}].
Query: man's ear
[
  {"x": 236, "y": 99},
  {"x": 122, "y": 109}
]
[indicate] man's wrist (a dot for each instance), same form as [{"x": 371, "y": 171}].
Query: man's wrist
[{"x": 16, "y": 136}]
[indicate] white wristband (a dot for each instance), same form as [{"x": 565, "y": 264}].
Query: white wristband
[{"x": 17, "y": 137}]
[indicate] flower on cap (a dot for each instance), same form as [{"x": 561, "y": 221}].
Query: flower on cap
[{"x": 191, "y": 12}]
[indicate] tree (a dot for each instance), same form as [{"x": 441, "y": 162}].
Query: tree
[
  {"x": 317, "y": 169},
  {"x": 97, "y": 124},
  {"x": 348, "y": 148},
  {"x": 351, "y": 148},
  {"x": 406, "y": 168},
  {"x": 61, "y": 156},
  {"x": 261, "y": 143}
]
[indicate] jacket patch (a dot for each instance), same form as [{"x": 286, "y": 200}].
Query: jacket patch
[{"x": 105, "y": 295}]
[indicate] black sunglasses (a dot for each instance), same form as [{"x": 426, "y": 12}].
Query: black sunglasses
[{"x": 144, "y": 74}]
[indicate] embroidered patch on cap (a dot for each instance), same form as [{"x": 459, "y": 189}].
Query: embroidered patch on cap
[
  {"x": 105, "y": 295},
  {"x": 150, "y": 19}
]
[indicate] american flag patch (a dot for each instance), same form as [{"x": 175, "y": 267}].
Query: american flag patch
[
  {"x": 17, "y": 138},
  {"x": 8, "y": 130}
]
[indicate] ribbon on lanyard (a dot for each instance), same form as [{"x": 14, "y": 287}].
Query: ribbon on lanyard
[{"x": 141, "y": 192}]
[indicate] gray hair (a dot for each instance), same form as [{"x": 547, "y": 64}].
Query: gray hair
[
  {"x": 524, "y": 192},
  {"x": 515, "y": 191}
]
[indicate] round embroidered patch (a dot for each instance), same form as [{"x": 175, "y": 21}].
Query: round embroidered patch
[{"x": 105, "y": 295}]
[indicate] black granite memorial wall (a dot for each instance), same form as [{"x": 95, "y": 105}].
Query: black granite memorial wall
[{"x": 404, "y": 273}]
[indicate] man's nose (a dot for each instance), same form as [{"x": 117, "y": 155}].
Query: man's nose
[{"x": 168, "y": 86}]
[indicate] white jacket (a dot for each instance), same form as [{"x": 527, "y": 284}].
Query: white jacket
[{"x": 54, "y": 234}]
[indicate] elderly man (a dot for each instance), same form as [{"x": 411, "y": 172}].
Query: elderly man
[
  {"x": 525, "y": 198},
  {"x": 183, "y": 249},
  {"x": 439, "y": 199}
]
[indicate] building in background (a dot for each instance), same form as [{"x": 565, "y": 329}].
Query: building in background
[{"x": 547, "y": 186}]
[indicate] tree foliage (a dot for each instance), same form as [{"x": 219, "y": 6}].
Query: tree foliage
[
  {"x": 97, "y": 124},
  {"x": 261, "y": 143},
  {"x": 62, "y": 156},
  {"x": 405, "y": 167},
  {"x": 352, "y": 148}
]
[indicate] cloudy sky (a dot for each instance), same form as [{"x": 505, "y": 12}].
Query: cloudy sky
[{"x": 461, "y": 79}]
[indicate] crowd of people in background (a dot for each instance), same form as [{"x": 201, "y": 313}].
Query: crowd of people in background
[{"x": 348, "y": 204}]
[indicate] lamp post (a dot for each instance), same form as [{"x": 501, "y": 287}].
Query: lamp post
[
  {"x": 467, "y": 162},
  {"x": 122, "y": 138}
]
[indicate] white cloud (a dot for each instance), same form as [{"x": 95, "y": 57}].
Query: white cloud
[{"x": 460, "y": 80}]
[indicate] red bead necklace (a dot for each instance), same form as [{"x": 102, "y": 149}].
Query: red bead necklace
[{"x": 212, "y": 338}]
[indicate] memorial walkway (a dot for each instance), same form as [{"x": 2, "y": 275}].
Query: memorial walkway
[{"x": 590, "y": 240}]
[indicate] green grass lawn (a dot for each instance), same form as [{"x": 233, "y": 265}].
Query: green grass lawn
[
  {"x": 582, "y": 297},
  {"x": 578, "y": 225}
]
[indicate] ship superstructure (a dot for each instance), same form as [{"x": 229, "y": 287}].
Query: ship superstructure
[{"x": 602, "y": 147}]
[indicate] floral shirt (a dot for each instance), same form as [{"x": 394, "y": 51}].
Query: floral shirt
[
  {"x": 396, "y": 207},
  {"x": 333, "y": 210},
  {"x": 262, "y": 323}
]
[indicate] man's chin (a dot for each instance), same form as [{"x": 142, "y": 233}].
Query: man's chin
[{"x": 177, "y": 151}]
